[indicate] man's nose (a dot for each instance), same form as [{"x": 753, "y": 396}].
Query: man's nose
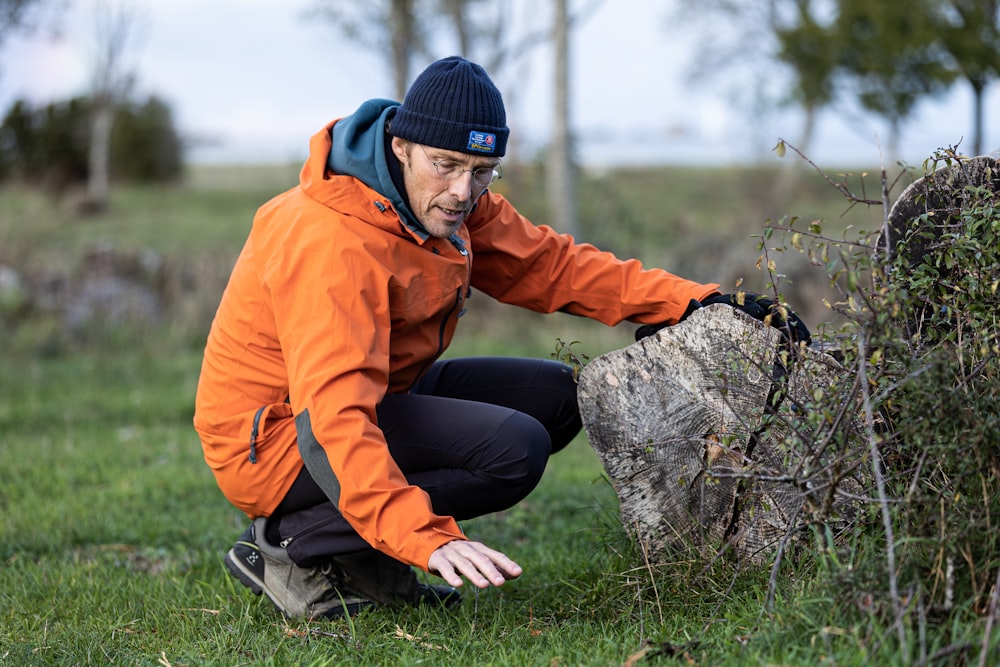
[{"x": 461, "y": 185}]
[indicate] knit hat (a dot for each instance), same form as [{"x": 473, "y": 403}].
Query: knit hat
[{"x": 454, "y": 105}]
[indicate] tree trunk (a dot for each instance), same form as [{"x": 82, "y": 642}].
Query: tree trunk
[
  {"x": 977, "y": 118},
  {"x": 403, "y": 43},
  {"x": 561, "y": 175},
  {"x": 697, "y": 429},
  {"x": 99, "y": 157}
]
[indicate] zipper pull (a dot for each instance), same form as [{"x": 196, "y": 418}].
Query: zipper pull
[{"x": 253, "y": 435}]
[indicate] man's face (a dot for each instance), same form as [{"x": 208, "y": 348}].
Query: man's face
[{"x": 440, "y": 184}]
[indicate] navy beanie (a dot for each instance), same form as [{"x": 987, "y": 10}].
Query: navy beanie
[{"x": 454, "y": 105}]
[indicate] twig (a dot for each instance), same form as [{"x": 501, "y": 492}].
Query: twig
[
  {"x": 840, "y": 187},
  {"x": 886, "y": 208},
  {"x": 713, "y": 617},
  {"x": 942, "y": 653},
  {"x": 880, "y": 486},
  {"x": 772, "y": 582},
  {"x": 821, "y": 237},
  {"x": 988, "y": 630},
  {"x": 652, "y": 579}
]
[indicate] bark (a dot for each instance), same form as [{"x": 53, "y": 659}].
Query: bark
[
  {"x": 696, "y": 431},
  {"x": 561, "y": 170}
]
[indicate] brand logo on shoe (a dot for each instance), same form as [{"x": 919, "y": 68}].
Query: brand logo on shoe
[{"x": 253, "y": 557}]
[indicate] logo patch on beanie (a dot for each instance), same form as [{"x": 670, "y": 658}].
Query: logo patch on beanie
[{"x": 482, "y": 142}]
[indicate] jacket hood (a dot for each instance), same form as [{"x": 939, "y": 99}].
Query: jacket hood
[{"x": 359, "y": 149}]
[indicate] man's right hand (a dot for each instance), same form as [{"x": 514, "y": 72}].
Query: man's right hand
[{"x": 475, "y": 561}]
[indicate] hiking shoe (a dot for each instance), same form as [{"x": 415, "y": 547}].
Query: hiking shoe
[
  {"x": 296, "y": 592},
  {"x": 385, "y": 581}
]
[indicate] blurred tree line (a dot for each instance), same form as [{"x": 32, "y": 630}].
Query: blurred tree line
[
  {"x": 50, "y": 143},
  {"x": 107, "y": 134},
  {"x": 885, "y": 56}
]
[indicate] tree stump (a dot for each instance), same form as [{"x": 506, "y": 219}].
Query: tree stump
[
  {"x": 926, "y": 219},
  {"x": 940, "y": 195},
  {"x": 708, "y": 438}
]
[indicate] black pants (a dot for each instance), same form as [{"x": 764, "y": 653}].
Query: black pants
[{"x": 474, "y": 433}]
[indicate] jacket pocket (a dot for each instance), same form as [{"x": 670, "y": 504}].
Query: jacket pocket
[{"x": 259, "y": 429}]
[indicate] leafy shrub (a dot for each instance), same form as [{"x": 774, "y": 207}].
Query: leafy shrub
[{"x": 922, "y": 344}]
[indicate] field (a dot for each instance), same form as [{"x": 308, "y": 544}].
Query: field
[{"x": 112, "y": 531}]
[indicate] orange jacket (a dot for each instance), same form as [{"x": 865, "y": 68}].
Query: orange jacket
[{"x": 333, "y": 303}]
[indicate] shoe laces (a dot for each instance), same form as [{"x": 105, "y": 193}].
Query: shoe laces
[{"x": 331, "y": 580}]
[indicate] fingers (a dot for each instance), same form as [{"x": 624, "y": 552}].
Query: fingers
[
  {"x": 757, "y": 306},
  {"x": 790, "y": 324},
  {"x": 478, "y": 563},
  {"x": 778, "y": 316}
]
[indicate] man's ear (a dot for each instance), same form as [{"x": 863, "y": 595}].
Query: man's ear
[{"x": 399, "y": 149}]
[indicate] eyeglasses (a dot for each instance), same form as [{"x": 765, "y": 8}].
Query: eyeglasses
[{"x": 449, "y": 170}]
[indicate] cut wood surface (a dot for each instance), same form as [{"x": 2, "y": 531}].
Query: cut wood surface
[{"x": 681, "y": 423}]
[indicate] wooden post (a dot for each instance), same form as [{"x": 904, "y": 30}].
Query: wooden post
[{"x": 696, "y": 427}]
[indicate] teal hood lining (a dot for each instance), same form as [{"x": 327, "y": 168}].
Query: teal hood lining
[{"x": 360, "y": 150}]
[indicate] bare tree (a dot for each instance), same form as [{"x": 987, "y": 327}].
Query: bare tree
[
  {"x": 374, "y": 23},
  {"x": 743, "y": 40},
  {"x": 116, "y": 26},
  {"x": 477, "y": 27},
  {"x": 456, "y": 11}
]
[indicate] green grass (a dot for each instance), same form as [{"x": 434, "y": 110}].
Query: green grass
[{"x": 112, "y": 531}]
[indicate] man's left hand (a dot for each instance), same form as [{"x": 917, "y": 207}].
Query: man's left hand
[{"x": 756, "y": 306}]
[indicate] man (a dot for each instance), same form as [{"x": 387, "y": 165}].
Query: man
[{"x": 323, "y": 408}]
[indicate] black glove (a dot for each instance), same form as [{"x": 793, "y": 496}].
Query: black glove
[
  {"x": 754, "y": 305},
  {"x": 647, "y": 330},
  {"x": 759, "y": 307}
]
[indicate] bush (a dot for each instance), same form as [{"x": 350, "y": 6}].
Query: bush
[
  {"x": 46, "y": 144},
  {"x": 50, "y": 144},
  {"x": 144, "y": 143},
  {"x": 922, "y": 343}
]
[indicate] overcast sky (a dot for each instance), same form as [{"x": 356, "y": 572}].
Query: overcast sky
[{"x": 258, "y": 78}]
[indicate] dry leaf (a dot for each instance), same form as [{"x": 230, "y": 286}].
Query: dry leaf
[
  {"x": 401, "y": 634},
  {"x": 634, "y": 659}
]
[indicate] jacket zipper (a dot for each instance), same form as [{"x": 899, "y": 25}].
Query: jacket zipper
[
  {"x": 253, "y": 434},
  {"x": 459, "y": 303},
  {"x": 455, "y": 241}
]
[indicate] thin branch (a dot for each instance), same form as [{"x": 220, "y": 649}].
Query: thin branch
[
  {"x": 840, "y": 187},
  {"x": 988, "y": 630},
  {"x": 876, "y": 458}
]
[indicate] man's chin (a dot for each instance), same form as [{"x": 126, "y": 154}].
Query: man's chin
[{"x": 443, "y": 229}]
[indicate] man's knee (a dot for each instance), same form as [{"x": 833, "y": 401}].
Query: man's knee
[{"x": 524, "y": 448}]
